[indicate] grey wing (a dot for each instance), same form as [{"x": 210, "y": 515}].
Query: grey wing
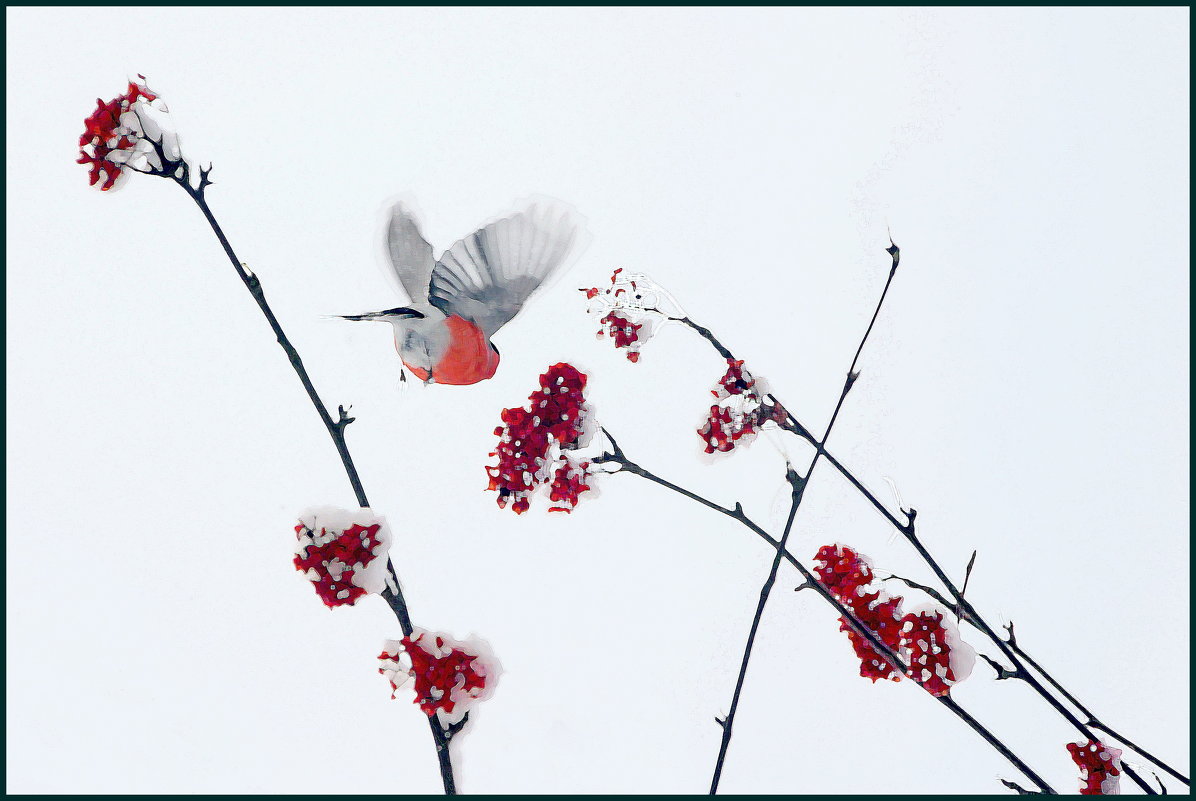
[
  {"x": 410, "y": 254},
  {"x": 488, "y": 275}
]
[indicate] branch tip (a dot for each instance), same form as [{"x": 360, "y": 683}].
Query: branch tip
[{"x": 894, "y": 251}]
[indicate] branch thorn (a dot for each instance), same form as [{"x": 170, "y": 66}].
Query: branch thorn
[
  {"x": 453, "y": 728},
  {"x": 204, "y": 180},
  {"x": 1018, "y": 788},
  {"x": 1001, "y": 671}
]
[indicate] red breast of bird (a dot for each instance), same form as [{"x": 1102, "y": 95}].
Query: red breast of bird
[{"x": 469, "y": 358}]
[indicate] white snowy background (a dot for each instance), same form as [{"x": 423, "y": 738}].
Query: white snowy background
[{"x": 1026, "y": 389}]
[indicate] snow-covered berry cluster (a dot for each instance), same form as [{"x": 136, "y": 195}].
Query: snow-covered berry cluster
[
  {"x": 342, "y": 552},
  {"x": 632, "y": 309},
  {"x": 568, "y": 483},
  {"x": 740, "y": 409},
  {"x": 925, "y": 638},
  {"x": 1100, "y": 767},
  {"x": 120, "y": 135},
  {"x": 449, "y": 676},
  {"x": 536, "y": 443},
  {"x": 848, "y": 576}
]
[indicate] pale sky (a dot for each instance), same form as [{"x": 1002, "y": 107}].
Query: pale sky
[{"x": 1026, "y": 389}]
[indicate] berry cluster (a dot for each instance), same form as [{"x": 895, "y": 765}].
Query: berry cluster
[
  {"x": 449, "y": 676},
  {"x": 936, "y": 658},
  {"x": 925, "y": 638},
  {"x": 110, "y": 138},
  {"x": 1100, "y": 767},
  {"x": 342, "y": 553},
  {"x": 739, "y": 411},
  {"x": 533, "y": 442},
  {"x": 631, "y": 309}
]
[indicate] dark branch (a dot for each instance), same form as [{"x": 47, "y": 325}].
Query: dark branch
[{"x": 336, "y": 428}]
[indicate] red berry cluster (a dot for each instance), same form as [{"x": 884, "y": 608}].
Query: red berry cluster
[
  {"x": 445, "y": 675},
  {"x": 728, "y": 423},
  {"x": 617, "y": 324},
  {"x": 526, "y": 438},
  {"x": 925, "y": 638},
  {"x": 736, "y": 381},
  {"x": 842, "y": 571},
  {"x": 723, "y": 429},
  {"x": 921, "y": 638},
  {"x": 1099, "y": 766},
  {"x": 330, "y": 559},
  {"x": 624, "y": 333},
  {"x": 568, "y": 483},
  {"x": 104, "y": 134},
  {"x": 593, "y": 291},
  {"x": 848, "y": 575},
  {"x": 881, "y": 617}
]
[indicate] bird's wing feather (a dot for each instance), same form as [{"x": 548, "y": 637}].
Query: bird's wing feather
[
  {"x": 410, "y": 254},
  {"x": 487, "y": 276}
]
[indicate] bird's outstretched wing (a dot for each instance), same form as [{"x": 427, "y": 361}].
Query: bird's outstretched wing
[
  {"x": 410, "y": 254},
  {"x": 487, "y": 276}
]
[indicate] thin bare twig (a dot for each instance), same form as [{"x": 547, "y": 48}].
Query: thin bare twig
[{"x": 179, "y": 171}]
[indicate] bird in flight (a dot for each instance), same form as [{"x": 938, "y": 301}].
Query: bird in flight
[{"x": 476, "y": 287}]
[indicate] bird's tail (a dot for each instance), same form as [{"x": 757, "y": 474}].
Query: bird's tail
[{"x": 401, "y": 311}]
